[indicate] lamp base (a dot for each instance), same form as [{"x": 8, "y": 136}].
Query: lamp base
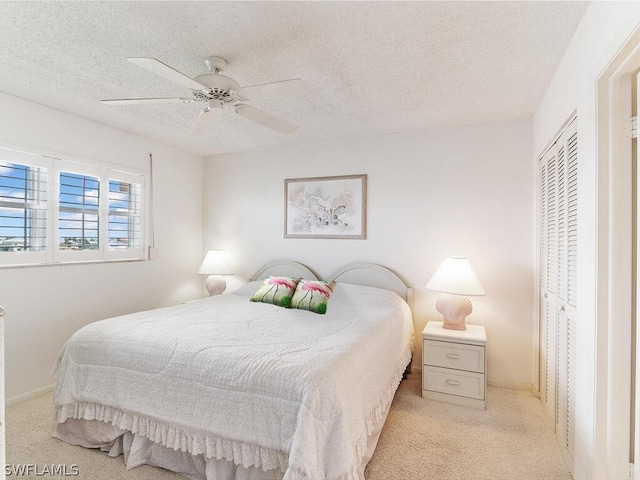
[
  {"x": 215, "y": 285},
  {"x": 454, "y": 310}
]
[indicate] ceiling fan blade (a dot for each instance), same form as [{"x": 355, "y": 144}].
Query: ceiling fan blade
[
  {"x": 273, "y": 90},
  {"x": 266, "y": 119},
  {"x": 162, "y": 69},
  {"x": 137, "y": 101},
  {"x": 206, "y": 122}
]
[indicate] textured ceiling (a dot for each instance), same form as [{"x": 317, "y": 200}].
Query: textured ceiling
[{"x": 373, "y": 67}]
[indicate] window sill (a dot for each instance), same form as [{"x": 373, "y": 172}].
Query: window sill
[{"x": 75, "y": 262}]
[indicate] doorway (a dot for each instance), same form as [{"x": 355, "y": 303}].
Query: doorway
[{"x": 617, "y": 386}]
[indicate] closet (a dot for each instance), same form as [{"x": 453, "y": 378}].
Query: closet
[{"x": 558, "y": 214}]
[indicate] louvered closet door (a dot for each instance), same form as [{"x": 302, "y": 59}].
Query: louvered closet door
[
  {"x": 567, "y": 341},
  {"x": 558, "y": 285},
  {"x": 548, "y": 270}
]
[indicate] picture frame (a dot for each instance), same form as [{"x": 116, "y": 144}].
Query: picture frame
[{"x": 326, "y": 207}]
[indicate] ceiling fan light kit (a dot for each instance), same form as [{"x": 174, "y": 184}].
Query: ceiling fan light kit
[{"x": 218, "y": 91}]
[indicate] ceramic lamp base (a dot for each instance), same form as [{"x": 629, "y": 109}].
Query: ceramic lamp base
[
  {"x": 454, "y": 310},
  {"x": 215, "y": 285}
]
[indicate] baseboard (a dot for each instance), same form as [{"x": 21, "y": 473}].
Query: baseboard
[{"x": 29, "y": 395}]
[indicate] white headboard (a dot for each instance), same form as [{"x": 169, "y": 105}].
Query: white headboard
[
  {"x": 358, "y": 273},
  {"x": 283, "y": 268},
  {"x": 373, "y": 275}
]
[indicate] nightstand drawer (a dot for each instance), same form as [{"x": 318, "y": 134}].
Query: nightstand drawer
[
  {"x": 454, "y": 355},
  {"x": 464, "y": 384}
]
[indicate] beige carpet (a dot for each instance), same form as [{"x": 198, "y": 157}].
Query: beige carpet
[{"x": 422, "y": 439}]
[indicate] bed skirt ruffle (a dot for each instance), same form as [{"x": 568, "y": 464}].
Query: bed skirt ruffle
[
  {"x": 199, "y": 456},
  {"x": 176, "y": 438},
  {"x": 138, "y": 450}
]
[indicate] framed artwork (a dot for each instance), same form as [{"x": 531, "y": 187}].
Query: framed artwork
[{"x": 325, "y": 207}]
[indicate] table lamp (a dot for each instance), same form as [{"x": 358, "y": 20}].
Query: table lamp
[
  {"x": 455, "y": 280},
  {"x": 215, "y": 265}
]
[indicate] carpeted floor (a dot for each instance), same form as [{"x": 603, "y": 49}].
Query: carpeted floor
[{"x": 421, "y": 440}]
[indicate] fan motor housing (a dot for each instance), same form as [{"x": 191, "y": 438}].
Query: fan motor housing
[{"x": 219, "y": 86}]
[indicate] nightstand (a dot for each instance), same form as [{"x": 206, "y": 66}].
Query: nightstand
[{"x": 454, "y": 364}]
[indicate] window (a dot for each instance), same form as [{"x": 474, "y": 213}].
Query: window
[
  {"x": 23, "y": 208},
  {"x": 124, "y": 215},
  {"x": 54, "y": 210},
  {"x": 78, "y": 216}
]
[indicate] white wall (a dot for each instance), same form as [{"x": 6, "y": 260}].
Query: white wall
[
  {"x": 603, "y": 30},
  {"x": 451, "y": 191},
  {"x": 46, "y": 304}
]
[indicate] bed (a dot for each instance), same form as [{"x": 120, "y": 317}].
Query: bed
[{"x": 227, "y": 389}]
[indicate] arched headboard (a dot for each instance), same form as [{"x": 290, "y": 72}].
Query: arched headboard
[
  {"x": 283, "y": 268},
  {"x": 373, "y": 275}
]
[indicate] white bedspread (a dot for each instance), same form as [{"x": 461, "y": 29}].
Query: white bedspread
[{"x": 256, "y": 384}]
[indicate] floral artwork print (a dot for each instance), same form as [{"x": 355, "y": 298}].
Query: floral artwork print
[
  {"x": 277, "y": 291},
  {"x": 328, "y": 207},
  {"x": 312, "y": 295}
]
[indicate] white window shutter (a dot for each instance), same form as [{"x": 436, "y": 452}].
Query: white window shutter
[
  {"x": 24, "y": 190},
  {"x": 55, "y": 210}
]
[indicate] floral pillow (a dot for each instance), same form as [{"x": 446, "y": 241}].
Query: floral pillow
[
  {"x": 313, "y": 295},
  {"x": 277, "y": 291}
]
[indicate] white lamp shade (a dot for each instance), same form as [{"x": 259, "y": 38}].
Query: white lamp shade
[
  {"x": 456, "y": 276},
  {"x": 215, "y": 263}
]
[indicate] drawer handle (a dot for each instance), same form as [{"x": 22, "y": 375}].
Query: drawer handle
[
  {"x": 453, "y": 382},
  {"x": 455, "y": 356}
]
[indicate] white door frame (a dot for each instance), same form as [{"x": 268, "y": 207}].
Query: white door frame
[
  {"x": 614, "y": 258},
  {"x": 2, "y": 410}
]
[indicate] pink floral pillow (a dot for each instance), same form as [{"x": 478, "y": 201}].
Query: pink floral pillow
[
  {"x": 313, "y": 295},
  {"x": 277, "y": 291}
]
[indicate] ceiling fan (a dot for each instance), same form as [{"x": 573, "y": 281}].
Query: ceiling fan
[{"x": 219, "y": 92}]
